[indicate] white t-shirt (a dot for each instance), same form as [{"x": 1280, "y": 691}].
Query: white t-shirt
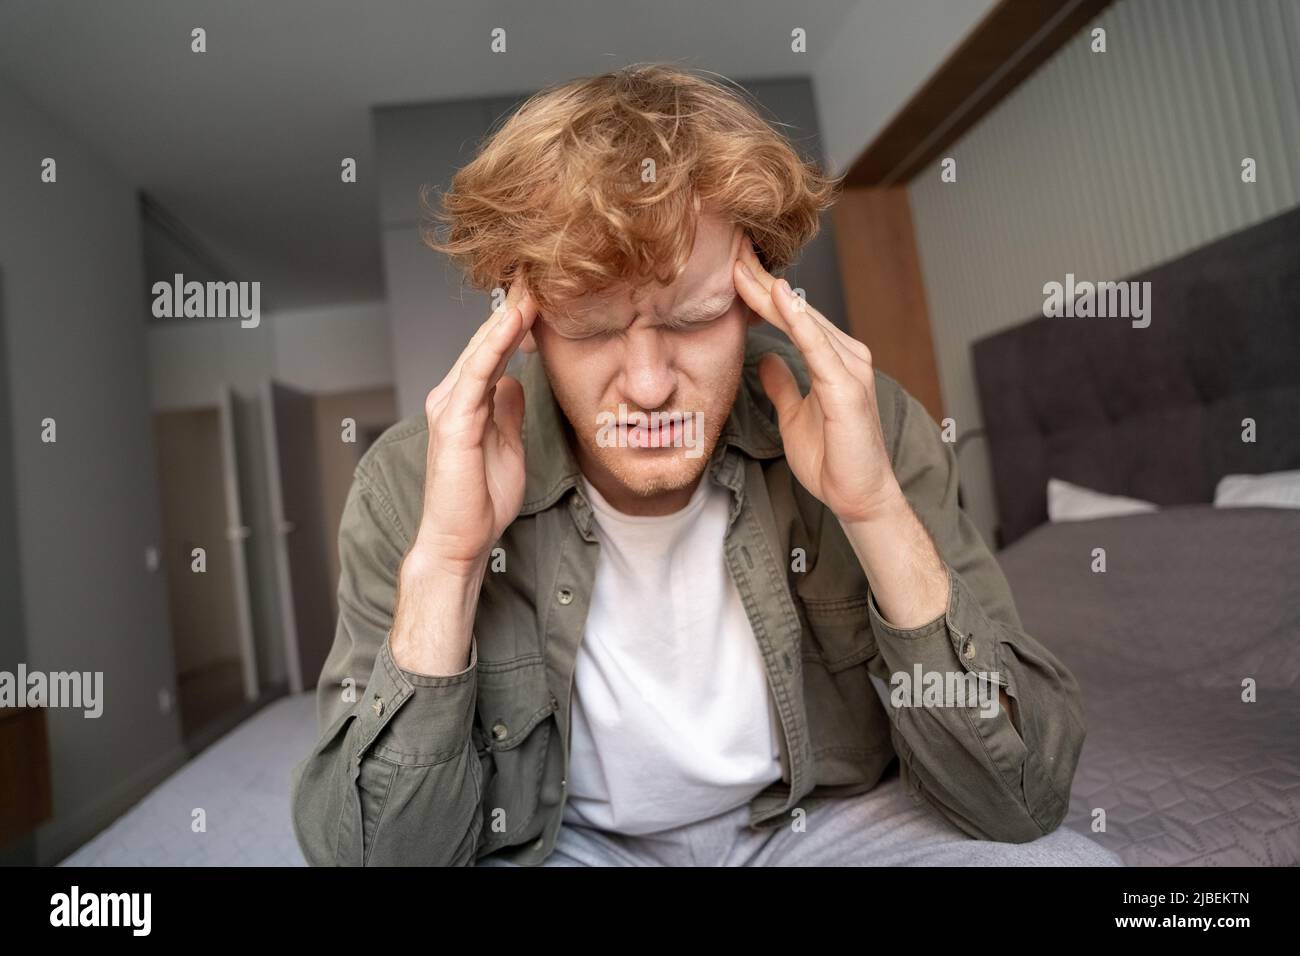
[{"x": 671, "y": 719}]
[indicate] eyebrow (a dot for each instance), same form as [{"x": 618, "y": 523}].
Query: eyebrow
[{"x": 705, "y": 309}]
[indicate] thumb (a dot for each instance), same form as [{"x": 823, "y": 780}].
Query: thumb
[
  {"x": 508, "y": 409},
  {"x": 780, "y": 385}
]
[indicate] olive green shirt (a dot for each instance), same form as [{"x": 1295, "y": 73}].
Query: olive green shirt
[{"x": 412, "y": 769}]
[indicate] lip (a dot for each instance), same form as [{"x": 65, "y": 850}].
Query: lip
[{"x": 643, "y": 438}]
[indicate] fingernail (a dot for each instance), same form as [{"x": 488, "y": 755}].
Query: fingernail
[{"x": 784, "y": 287}]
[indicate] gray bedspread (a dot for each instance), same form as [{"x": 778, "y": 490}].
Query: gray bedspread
[{"x": 1193, "y": 601}]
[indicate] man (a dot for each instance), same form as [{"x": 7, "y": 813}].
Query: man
[{"x": 662, "y": 598}]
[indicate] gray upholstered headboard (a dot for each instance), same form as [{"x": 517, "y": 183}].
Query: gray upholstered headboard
[{"x": 1153, "y": 412}]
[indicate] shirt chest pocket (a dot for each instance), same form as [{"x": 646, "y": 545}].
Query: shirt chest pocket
[
  {"x": 837, "y": 633},
  {"x": 511, "y": 734},
  {"x": 847, "y": 724}
]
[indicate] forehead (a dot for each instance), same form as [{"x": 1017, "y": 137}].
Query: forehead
[{"x": 705, "y": 279}]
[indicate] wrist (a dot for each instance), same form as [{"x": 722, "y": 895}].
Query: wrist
[
  {"x": 426, "y": 567},
  {"x": 434, "y": 620},
  {"x": 902, "y": 564},
  {"x": 425, "y": 659},
  {"x": 886, "y": 507}
]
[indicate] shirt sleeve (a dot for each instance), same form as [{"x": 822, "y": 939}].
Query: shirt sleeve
[
  {"x": 995, "y": 778},
  {"x": 394, "y": 777}
]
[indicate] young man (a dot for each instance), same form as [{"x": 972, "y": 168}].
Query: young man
[{"x": 681, "y": 593}]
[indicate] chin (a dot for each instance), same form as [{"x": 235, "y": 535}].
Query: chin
[{"x": 647, "y": 473}]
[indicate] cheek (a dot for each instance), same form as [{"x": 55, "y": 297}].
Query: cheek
[
  {"x": 714, "y": 354},
  {"x": 579, "y": 371}
]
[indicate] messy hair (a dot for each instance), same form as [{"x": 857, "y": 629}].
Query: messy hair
[{"x": 602, "y": 180}]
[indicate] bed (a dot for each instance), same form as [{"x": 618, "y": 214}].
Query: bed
[{"x": 1197, "y": 604}]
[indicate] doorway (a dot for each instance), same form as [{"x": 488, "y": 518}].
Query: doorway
[{"x": 208, "y": 600}]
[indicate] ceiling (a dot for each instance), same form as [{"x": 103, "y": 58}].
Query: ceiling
[{"x": 243, "y": 143}]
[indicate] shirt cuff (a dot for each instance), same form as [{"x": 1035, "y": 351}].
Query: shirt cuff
[
  {"x": 962, "y": 634},
  {"x": 414, "y": 719}
]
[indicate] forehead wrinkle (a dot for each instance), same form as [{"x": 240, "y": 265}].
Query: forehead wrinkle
[
  {"x": 589, "y": 319},
  {"x": 594, "y": 319}
]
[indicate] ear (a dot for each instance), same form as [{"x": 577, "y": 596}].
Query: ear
[{"x": 529, "y": 344}]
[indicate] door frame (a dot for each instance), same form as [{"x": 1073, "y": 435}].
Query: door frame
[
  {"x": 281, "y": 528},
  {"x": 237, "y": 533}
]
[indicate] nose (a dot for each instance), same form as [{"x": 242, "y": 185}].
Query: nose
[{"x": 649, "y": 378}]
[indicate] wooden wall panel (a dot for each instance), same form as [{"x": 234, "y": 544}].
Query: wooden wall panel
[
  {"x": 883, "y": 289},
  {"x": 25, "y": 797}
]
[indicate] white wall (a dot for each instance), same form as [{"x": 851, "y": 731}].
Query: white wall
[
  {"x": 334, "y": 349},
  {"x": 1104, "y": 165},
  {"x": 191, "y": 359},
  {"x": 88, "y": 504},
  {"x": 330, "y": 349},
  {"x": 882, "y": 55},
  {"x": 432, "y": 312}
]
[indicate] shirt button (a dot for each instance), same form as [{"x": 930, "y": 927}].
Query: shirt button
[
  {"x": 970, "y": 649},
  {"x": 378, "y": 706},
  {"x": 500, "y": 731},
  {"x": 564, "y": 596}
]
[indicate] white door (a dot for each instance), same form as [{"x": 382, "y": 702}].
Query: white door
[
  {"x": 297, "y": 517},
  {"x": 236, "y": 535}
]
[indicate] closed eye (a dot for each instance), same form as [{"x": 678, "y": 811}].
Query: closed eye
[
  {"x": 688, "y": 324},
  {"x": 677, "y": 323}
]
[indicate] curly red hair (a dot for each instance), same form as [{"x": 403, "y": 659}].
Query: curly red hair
[{"x": 602, "y": 180}]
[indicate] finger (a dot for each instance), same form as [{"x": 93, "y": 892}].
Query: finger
[
  {"x": 758, "y": 288},
  {"x": 481, "y": 370},
  {"x": 824, "y": 362},
  {"x": 780, "y": 385},
  {"x": 485, "y": 366},
  {"x": 509, "y": 352},
  {"x": 508, "y": 411},
  {"x": 528, "y": 308},
  {"x": 778, "y": 307},
  {"x": 759, "y": 297},
  {"x": 517, "y": 295},
  {"x": 766, "y": 281},
  {"x": 437, "y": 399}
]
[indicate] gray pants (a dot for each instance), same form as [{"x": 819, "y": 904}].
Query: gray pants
[{"x": 882, "y": 827}]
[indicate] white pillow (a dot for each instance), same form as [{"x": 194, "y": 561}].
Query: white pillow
[
  {"x": 1278, "y": 489},
  {"x": 1067, "y": 502}
]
